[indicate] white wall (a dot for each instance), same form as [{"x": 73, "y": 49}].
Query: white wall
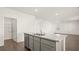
[
  {"x": 71, "y": 27},
  {"x": 68, "y": 27},
  {"x": 14, "y": 29},
  {"x": 25, "y": 22},
  {"x": 1, "y": 31},
  {"x": 44, "y": 25}
]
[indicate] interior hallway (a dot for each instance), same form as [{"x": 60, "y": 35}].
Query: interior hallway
[{"x": 10, "y": 45}]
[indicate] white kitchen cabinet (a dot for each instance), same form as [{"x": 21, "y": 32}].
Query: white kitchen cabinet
[
  {"x": 36, "y": 44},
  {"x": 31, "y": 42}
]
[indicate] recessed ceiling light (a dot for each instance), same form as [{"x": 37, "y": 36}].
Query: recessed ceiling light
[
  {"x": 36, "y": 10},
  {"x": 57, "y": 14}
]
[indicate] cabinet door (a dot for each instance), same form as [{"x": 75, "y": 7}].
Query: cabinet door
[
  {"x": 31, "y": 42},
  {"x": 26, "y": 42},
  {"x": 47, "y": 45},
  {"x": 36, "y": 44}
]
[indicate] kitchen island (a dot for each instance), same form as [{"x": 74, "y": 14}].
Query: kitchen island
[{"x": 42, "y": 43}]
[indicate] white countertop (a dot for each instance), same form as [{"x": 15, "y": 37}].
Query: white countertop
[
  {"x": 54, "y": 37},
  {"x": 50, "y": 37}
]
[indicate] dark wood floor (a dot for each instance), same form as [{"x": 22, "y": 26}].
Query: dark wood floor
[{"x": 10, "y": 45}]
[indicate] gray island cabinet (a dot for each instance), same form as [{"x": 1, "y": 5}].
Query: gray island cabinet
[
  {"x": 47, "y": 45},
  {"x": 26, "y": 40},
  {"x": 36, "y": 43},
  {"x": 31, "y": 42}
]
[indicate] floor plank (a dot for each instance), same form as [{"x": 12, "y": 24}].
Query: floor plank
[{"x": 10, "y": 45}]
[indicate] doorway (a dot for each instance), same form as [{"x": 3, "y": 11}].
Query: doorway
[{"x": 10, "y": 29}]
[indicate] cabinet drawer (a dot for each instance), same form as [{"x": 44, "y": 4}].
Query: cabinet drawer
[
  {"x": 47, "y": 48},
  {"x": 47, "y": 42}
]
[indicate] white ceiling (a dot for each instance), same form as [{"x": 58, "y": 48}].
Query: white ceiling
[{"x": 51, "y": 13}]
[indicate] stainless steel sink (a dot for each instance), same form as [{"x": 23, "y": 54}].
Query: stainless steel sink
[{"x": 39, "y": 34}]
